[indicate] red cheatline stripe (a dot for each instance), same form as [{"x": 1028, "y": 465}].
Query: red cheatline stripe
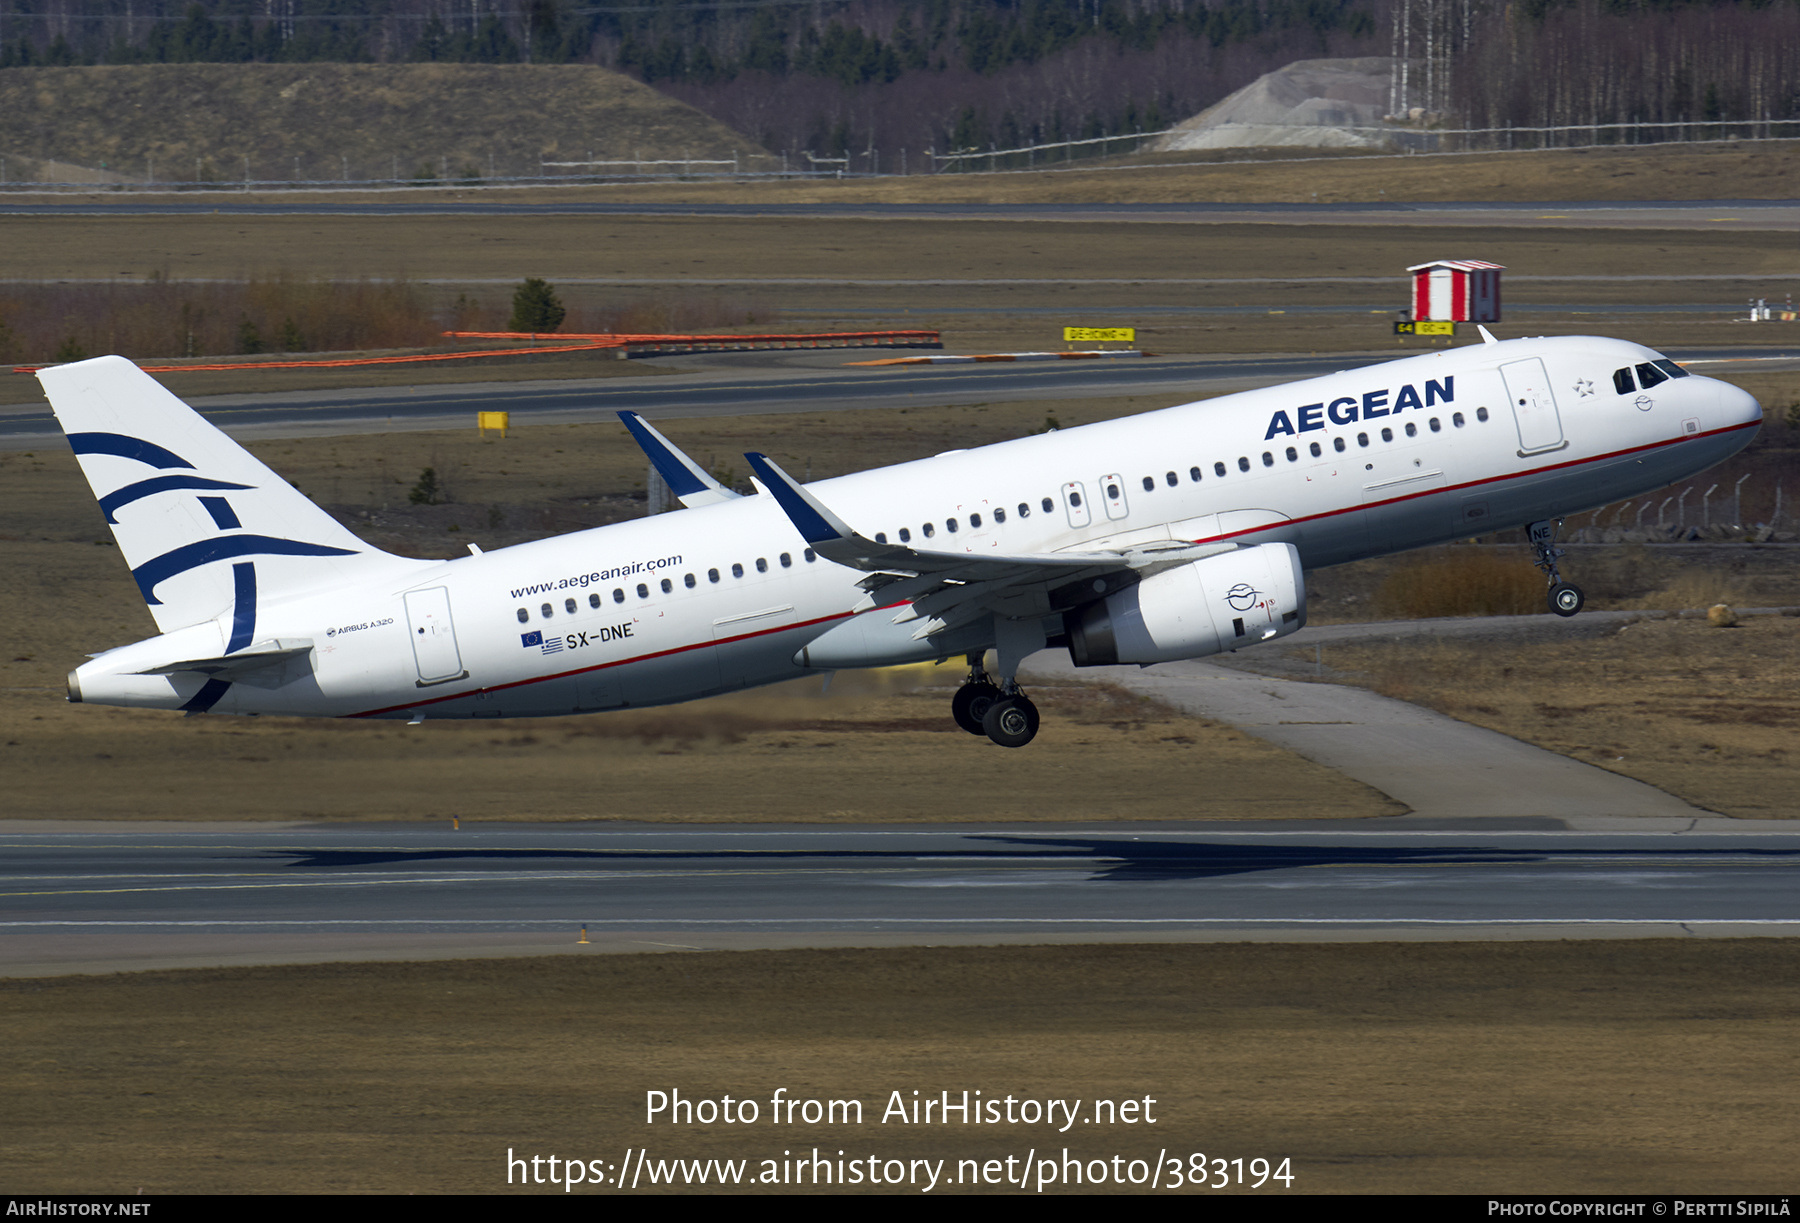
[{"x": 539, "y": 679}]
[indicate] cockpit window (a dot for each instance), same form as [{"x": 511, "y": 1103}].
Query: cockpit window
[
  {"x": 1670, "y": 368},
  {"x": 1622, "y": 382},
  {"x": 1649, "y": 375}
]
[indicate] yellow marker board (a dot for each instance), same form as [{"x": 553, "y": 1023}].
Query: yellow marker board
[
  {"x": 1425, "y": 327},
  {"x": 492, "y": 420},
  {"x": 1099, "y": 335}
]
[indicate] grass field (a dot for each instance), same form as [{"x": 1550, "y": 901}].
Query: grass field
[
  {"x": 1727, "y": 170},
  {"x": 1705, "y": 713},
  {"x": 1542, "y": 1067}
]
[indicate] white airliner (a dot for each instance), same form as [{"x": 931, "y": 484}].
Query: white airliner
[{"x": 1175, "y": 534}]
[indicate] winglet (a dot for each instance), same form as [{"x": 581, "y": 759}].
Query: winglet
[
  {"x": 815, "y": 523},
  {"x": 1487, "y": 337},
  {"x": 686, "y": 479}
]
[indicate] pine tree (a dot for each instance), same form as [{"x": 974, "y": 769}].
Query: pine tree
[{"x": 535, "y": 308}]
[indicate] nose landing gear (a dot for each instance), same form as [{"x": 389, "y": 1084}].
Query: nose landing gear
[{"x": 1565, "y": 598}]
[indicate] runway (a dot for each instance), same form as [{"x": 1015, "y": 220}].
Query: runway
[
  {"x": 493, "y": 202},
  {"x": 117, "y": 897},
  {"x": 767, "y": 383}
]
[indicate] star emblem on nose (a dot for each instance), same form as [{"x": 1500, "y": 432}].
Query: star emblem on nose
[{"x": 1584, "y": 387}]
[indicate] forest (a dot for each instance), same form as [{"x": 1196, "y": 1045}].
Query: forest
[{"x": 877, "y": 80}]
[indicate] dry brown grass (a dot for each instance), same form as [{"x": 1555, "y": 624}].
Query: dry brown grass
[
  {"x": 1706, "y": 713},
  {"x": 1461, "y": 582},
  {"x": 1599, "y": 1067}
]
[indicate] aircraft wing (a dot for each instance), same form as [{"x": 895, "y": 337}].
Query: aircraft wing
[
  {"x": 690, "y": 482},
  {"x": 949, "y": 589}
]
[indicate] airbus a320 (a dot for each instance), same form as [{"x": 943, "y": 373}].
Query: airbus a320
[{"x": 1174, "y": 534}]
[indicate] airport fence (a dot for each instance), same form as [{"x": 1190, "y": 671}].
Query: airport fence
[{"x": 1048, "y": 156}]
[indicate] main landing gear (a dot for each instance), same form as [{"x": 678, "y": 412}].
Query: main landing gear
[
  {"x": 1001, "y": 711},
  {"x": 1565, "y": 598}
]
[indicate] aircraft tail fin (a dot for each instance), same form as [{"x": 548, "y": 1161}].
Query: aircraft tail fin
[{"x": 205, "y": 527}]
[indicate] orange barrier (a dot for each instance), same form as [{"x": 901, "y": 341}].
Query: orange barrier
[
  {"x": 626, "y": 339},
  {"x": 579, "y": 343}
]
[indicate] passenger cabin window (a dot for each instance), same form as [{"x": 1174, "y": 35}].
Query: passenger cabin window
[
  {"x": 524, "y": 616},
  {"x": 1293, "y": 456},
  {"x": 1337, "y": 444},
  {"x": 999, "y": 515},
  {"x": 1048, "y": 505},
  {"x": 905, "y": 536},
  {"x": 950, "y": 525},
  {"x": 1481, "y": 415},
  {"x": 545, "y": 611},
  {"x": 1622, "y": 382},
  {"x": 712, "y": 575},
  {"x": 1412, "y": 430},
  {"x": 1243, "y": 463},
  {"x": 1456, "y": 418},
  {"x": 1194, "y": 474},
  {"x": 688, "y": 580},
  {"x": 1387, "y": 435},
  {"x": 737, "y": 570},
  {"x": 1149, "y": 484},
  {"x": 643, "y": 591},
  {"x": 1435, "y": 426},
  {"x": 1362, "y": 439},
  {"x": 1171, "y": 479},
  {"x": 975, "y": 520},
  {"x": 668, "y": 587},
  {"x": 1218, "y": 469},
  {"x": 1024, "y": 510},
  {"x": 928, "y": 530},
  {"x": 881, "y": 537},
  {"x": 787, "y": 561},
  {"x": 1268, "y": 459},
  {"x": 808, "y": 554},
  {"x": 594, "y": 601},
  {"x": 1075, "y": 498},
  {"x": 618, "y": 594},
  {"x": 569, "y": 606},
  {"x": 762, "y": 564}
]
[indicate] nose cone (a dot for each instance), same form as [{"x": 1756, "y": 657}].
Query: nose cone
[{"x": 1739, "y": 406}]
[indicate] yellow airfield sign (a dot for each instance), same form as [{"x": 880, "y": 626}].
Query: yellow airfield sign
[
  {"x": 1425, "y": 327},
  {"x": 1099, "y": 335}
]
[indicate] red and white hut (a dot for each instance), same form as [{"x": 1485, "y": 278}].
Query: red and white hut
[{"x": 1456, "y": 291}]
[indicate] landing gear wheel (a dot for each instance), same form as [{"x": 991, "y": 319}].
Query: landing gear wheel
[
  {"x": 970, "y": 705},
  {"x": 1011, "y": 721},
  {"x": 1566, "y": 600}
]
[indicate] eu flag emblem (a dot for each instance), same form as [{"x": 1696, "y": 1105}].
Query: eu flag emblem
[{"x": 527, "y": 639}]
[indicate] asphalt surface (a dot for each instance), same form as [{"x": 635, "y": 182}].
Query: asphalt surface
[
  {"x": 748, "y": 384},
  {"x": 111, "y": 897},
  {"x": 410, "y": 201}
]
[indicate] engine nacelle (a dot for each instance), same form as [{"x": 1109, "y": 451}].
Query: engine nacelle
[{"x": 1205, "y": 607}]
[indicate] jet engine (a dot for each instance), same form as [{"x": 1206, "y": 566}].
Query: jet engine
[{"x": 1204, "y": 607}]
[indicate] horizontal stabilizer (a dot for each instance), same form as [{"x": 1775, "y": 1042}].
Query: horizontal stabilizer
[
  {"x": 690, "y": 482},
  {"x": 264, "y": 664}
]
